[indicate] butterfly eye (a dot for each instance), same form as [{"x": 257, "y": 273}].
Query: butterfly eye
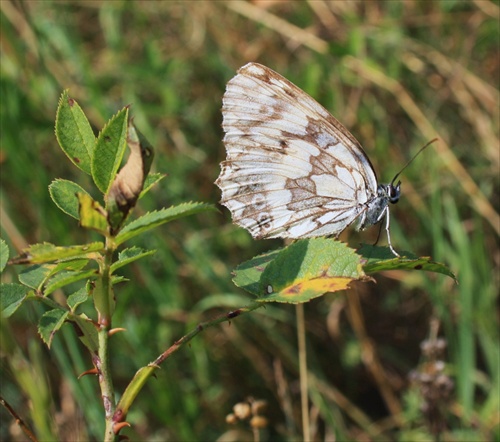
[{"x": 394, "y": 192}]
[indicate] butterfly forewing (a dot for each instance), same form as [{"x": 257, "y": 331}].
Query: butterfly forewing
[{"x": 292, "y": 170}]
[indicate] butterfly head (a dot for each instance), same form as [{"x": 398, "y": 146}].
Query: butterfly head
[
  {"x": 390, "y": 192},
  {"x": 393, "y": 192}
]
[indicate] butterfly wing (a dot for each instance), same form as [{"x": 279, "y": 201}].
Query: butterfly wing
[{"x": 292, "y": 170}]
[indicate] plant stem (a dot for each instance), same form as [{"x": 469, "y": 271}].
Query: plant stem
[
  {"x": 304, "y": 389},
  {"x": 106, "y": 383},
  {"x": 104, "y": 303}
]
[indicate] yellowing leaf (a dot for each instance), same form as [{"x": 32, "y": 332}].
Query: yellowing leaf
[
  {"x": 307, "y": 289},
  {"x": 308, "y": 269}
]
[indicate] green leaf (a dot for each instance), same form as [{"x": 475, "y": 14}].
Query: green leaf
[
  {"x": 151, "y": 180},
  {"x": 77, "y": 298},
  {"x": 73, "y": 133},
  {"x": 376, "y": 253},
  {"x": 64, "y": 278},
  {"x": 35, "y": 276},
  {"x": 46, "y": 252},
  {"x": 309, "y": 268},
  {"x": 4, "y": 254},
  {"x": 248, "y": 274},
  {"x": 64, "y": 194},
  {"x": 50, "y": 323},
  {"x": 157, "y": 218},
  {"x": 73, "y": 264},
  {"x": 130, "y": 255},
  {"x": 109, "y": 150},
  {"x": 89, "y": 336},
  {"x": 92, "y": 214},
  {"x": 380, "y": 259},
  {"x": 11, "y": 298}
]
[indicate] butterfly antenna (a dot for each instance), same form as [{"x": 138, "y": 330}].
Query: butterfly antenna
[{"x": 409, "y": 162}]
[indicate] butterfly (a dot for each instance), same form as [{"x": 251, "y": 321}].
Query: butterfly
[{"x": 292, "y": 170}]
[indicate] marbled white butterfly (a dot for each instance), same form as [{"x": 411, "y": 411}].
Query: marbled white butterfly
[{"x": 292, "y": 170}]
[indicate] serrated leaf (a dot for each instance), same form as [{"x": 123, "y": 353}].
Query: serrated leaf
[
  {"x": 378, "y": 259},
  {"x": 77, "y": 298},
  {"x": 130, "y": 255},
  {"x": 154, "y": 219},
  {"x": 309, "y": 268},
  {"x": 247, "y": 275},
  {"x": 64, "y": 194},
  {"x": 377, "y": 253},
  {"x": 73, "y": 133},
  {"x": 89, "y": 336},
  {"x": 35, "y": 276},
  {"x": 46, "y": 252},
  {"x": 92, "y": 214},
  {"x": 109, "y": 150},
  {"x": 73, "y": 264},
  {"x": 11, "y": 297},
  {"x": 4, "y": 254},
  {"x": 65, "y": 278},
  {"x": 151, "y": 180},
  {"x": 50, "y": 323}
]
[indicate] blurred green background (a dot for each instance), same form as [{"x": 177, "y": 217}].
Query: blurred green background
[{"x": 397, "y": 74}]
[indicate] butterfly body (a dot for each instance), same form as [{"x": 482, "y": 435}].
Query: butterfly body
[
  {"x": 378, "y": 206},
  {"x": 292, "y": 170}
]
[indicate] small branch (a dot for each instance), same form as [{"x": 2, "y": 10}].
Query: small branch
[
  {"x": 226, "y": 317},
  {"x": 144, "y": 373},
  {"x": 19, "y": 421}
]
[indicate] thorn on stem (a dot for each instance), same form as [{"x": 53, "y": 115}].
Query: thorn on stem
[
  {"x": 116, "y": 330},
  {"x": 91, "y": 371},
  {"x": 119, "y": 425}
]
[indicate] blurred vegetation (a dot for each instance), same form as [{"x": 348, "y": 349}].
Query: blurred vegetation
[{"x": 397, "y": 74}]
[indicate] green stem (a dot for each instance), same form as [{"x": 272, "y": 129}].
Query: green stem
[
  {"x": 103, "y": 293},
  {"x": 106, "y": 383},
  {"x": 104, "y": 303}
]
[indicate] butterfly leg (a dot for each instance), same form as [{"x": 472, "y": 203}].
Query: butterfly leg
[
  {"x": 378, "y": 234},
  {"x": 387, "y": 225}
]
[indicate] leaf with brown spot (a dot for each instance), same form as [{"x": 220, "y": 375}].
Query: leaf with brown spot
[{"x": 308, "y": 269}]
